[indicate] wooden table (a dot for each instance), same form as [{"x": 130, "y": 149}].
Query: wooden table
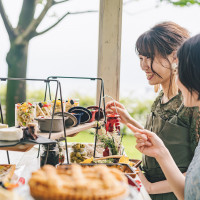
[{"x": 31, "y": 163}]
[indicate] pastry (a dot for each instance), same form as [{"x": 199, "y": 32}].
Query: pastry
[
  {"x": 6, "y": 172},
  {"x": 11, "y": 134},
  {"x": 78, "y": 183}
]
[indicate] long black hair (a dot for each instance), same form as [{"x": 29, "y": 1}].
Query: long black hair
[{"x": 189, "y": 64}]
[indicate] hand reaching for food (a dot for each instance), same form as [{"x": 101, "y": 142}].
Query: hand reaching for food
[{"x": 116, "y": 107}]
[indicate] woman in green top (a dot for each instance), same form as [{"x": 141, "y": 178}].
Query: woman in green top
[{"x": 157, "y": 52}]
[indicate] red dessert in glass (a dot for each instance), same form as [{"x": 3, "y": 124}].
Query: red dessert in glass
[{"x": 113, "y": 123}]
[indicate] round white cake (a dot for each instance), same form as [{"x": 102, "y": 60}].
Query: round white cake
[{"x": 11, "y": 134}]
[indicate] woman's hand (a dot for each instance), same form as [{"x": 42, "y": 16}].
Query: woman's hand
[
  {"x": 151, "y": 145},
  {"x": 145, "y": 182},
  {"x": 121, "y": 110},
  {"x": 148, "y": 142}
]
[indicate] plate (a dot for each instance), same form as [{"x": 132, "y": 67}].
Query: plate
[
  {"x": 86, "y": 114},
  {"x": 71, "y": 120}
]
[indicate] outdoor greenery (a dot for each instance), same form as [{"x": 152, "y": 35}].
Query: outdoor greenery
[
  {"x": 27, "y": 29},
  {"x": 128, "y": 142},
  {"x": 19, "y": 38},
  {"x": 137, "y": 109},
  {"x": 183, "y": 2}
]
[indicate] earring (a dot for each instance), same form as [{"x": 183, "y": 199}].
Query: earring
[
  {"x": 174, "y": 86},
  {"x": 174, "y": 67},
  {"x": 156, "y": 88}
]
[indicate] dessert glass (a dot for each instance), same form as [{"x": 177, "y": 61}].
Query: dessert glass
[{"x": 24, "y": 113}]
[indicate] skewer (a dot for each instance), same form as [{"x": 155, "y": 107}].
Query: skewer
[
  {"x": 107, "y": 157},
  {"x": 113, "y": 101}
]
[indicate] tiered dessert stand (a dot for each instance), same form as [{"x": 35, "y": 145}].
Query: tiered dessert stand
[{"x": 49, "y": 137}]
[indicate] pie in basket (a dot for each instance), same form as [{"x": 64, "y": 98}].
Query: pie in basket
[{"x": 78, "y": 183}]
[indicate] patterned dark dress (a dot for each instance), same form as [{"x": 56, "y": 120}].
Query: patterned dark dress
[{"x": 176, "y": 125}]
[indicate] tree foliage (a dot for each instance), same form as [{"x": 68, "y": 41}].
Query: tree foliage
[
  {"x": 183, "y": 2},
  {"x": 19, "y": 37}
]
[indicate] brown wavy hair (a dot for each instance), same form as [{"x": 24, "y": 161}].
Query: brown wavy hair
[{"x": 162, "y": 40}]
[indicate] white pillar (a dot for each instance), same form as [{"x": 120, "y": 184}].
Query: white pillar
[{"x": 110, "y": 24}]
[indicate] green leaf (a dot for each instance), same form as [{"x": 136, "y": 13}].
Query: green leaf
[{"x": 182, "y": 3}]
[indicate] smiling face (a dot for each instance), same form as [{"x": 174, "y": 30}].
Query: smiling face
[
  {"x": 161, "y": 67},
  {"x": 159, "y": 43}
]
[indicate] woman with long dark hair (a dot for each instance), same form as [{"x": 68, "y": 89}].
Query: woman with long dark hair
[
  {"x": 188, "y": 81},
  {"x": 157, "y": 50}
]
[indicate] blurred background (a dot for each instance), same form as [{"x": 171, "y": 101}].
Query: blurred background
[{"x": 69, "y": 46}]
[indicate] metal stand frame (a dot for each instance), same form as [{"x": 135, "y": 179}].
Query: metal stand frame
[
  {"x": 58, "y": 89},
  {"x": 101, "y": 95},
  {"x": 2, "y": 121}
]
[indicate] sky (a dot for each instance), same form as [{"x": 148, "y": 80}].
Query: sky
[{"x": 71, "y": 48}]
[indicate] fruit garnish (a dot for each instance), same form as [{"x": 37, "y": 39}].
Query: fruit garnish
[
  {"x": 71, "y": 101},
  {"x": 88, "y": 160},
  {"x": 40, "y": 104},
  {"x": 125, "y": 160},
  {"x": 61, "y": 158}
]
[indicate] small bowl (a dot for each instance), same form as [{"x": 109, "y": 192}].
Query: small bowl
[
  {"x": 93, "y": 115},
  {"x": 70, "y": 120},
  {"x": 45, "y": 124},
  {"x": 96, "y": 109},
  {"x": 78, "y": 117}
]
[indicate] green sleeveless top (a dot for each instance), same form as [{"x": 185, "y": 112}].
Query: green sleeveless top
[{"x": 187, "y": 117}]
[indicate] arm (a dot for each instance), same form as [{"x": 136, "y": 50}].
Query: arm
[
  {"x": 135, "y": 123},
  {"x": 174, "y": 176},
  {"x": 115, "y": 106},
  {"x": 155, "y": 188},
  {"x": 151, "y": 145}
]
